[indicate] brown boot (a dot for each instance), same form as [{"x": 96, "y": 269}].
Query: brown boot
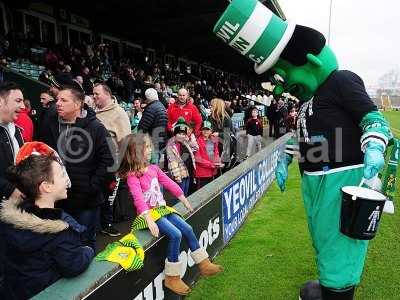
[
  {"x": 207, "y": 268},
  {"x": 173, "y": 280}
]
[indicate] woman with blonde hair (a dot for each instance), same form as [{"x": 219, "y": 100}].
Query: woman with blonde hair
[{"x": 221, "y": 127}]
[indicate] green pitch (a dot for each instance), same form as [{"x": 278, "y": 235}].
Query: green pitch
[{"x": 272, "y": 256}]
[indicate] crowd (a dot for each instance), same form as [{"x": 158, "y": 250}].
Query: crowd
[
  {"x": 91, "y": 136},
  {"x": 98, "y": 129}
]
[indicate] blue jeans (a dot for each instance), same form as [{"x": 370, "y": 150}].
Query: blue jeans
[
  {"x": 173, "y": 226},
  {"x": 185, "y": 185},
  {"x": 88, "y": 218}
]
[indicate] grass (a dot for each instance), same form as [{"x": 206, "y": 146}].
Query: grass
[{"x": 272, "y": 256}]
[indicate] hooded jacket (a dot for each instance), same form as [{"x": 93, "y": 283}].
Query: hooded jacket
[
  {"x": 42, "y": 245},
  {"x": 85, "y": 150}
]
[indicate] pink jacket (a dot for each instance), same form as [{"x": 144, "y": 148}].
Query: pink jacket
[{"x": 146, "y": 190}]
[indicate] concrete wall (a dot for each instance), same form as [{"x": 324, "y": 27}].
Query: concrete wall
[{"x": 220, "y": 209}]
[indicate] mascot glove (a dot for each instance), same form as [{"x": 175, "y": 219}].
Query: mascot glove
[
  {"x": 281, "y": 171},
  {"x": 373, "y": 159}
]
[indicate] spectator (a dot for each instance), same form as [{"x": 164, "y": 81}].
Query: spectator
[
  {"x": 291, "y": 120},
  {"x": 182, "y": 108},
  {"x": 280, "y": 119},
  {"x": 228, "y": 107},
  {"x": 137, "y": 112},
  {"x": 248, "y": 110},
  {"x": 87, "y": 83},
  {"x": 166, "y": 91},
  {"x": 51, "y": 60},
  {"x": 81, "y": 140},
  {"x": 235, "y": 107},
  {"x": 181, "y": 162},
  {"x": 221, "y": 127},
  {"x": 117, "y": 123},
  {"x": 65, "y": 77},
  {"x": 113, "y": 117},
  {"x": 42, "y": 243},
  {"x": 161, "y": 97},
  {"x": 144, "y": 182},
  {"x": 116, "y": 85},
  {"x": 79, "y": 80},
  {"x": 154, "y": 121},
  {"x": 271, "y": 116},
  {"x": 11, "y": 102},
  {"x": 24, "y": 121},
  {"x": 47, "y": 100},
  {"x": 254, "y": 131},
  {"x": 207, "y": 157}
]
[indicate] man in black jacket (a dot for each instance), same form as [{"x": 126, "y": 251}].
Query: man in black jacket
[
  {"x": 11, "y": 102},
  {"x": 85, "y": 146},
  {"x": 154, "y": 122}
]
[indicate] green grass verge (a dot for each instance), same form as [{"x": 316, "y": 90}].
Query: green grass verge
[{"x": 272, "y": 256}]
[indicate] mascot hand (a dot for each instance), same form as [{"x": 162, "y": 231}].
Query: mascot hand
[
  {"x": 373, "y": 159},
  {"x": 281, "y": 171}
]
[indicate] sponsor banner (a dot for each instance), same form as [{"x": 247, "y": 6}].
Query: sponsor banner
[
  {"x": 147, "y": 284},
  {"x": 239, "y": 197}
]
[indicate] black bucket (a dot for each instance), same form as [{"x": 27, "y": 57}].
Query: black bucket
[{"x": 361, "y": 212}]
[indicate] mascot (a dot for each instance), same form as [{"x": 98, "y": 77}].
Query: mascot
[{"x": 341, "y": 136}]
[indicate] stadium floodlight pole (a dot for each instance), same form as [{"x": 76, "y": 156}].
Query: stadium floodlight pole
[{"x": 330, "y": 21}]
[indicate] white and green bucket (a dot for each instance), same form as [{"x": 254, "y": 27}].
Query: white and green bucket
[{"x": 253, "y": 30}]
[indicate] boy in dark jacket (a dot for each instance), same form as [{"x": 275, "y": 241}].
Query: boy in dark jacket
[{"x": 42, "y": 243}]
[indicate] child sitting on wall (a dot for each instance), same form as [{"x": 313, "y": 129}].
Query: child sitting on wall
[{"x": 144, "y": 182}]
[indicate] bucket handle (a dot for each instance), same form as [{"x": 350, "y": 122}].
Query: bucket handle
[{"x": 354, "y": 197}]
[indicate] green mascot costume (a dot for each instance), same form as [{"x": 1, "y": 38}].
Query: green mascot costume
[{"x": 341, "y": 136}]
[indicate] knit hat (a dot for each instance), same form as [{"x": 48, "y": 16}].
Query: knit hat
[
  {"x": 151, "y": 94},
  {"x": 180, "y": 126},
  {"x": 206, "y": 125},
  {"x": 252, "y": 29}
]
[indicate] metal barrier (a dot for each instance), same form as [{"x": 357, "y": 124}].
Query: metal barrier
[{"x": 220, "y": 209}]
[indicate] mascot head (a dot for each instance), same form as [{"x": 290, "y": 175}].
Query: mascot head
[{"x": 295, "y": 57}]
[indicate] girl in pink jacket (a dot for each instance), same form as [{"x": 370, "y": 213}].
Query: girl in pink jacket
[{"x": 144, "y": 182}]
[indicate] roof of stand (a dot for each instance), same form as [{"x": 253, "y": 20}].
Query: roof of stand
[{"x": 181, "y": 27}]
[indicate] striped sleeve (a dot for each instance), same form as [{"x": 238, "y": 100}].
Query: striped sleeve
[
  {"x": 375, "y": 128},
  {"x": 292, "y": 147}
]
